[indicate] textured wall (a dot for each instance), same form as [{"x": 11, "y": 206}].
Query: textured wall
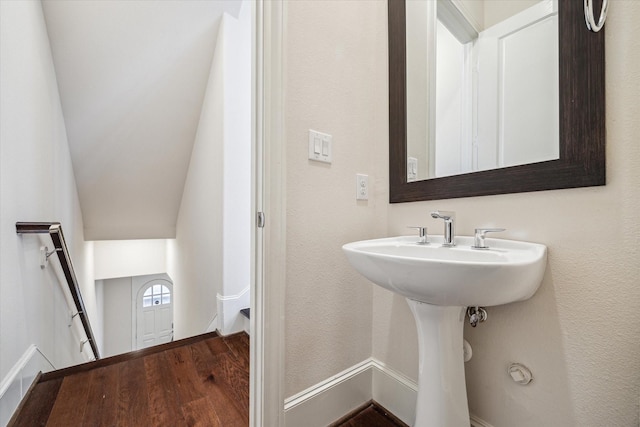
[
  {"x": 194, "y": 258},
  {"x": 36, "y": 184},
  {"x": 577, "y": 334},
  {"x": 335, "y": 65},
  {"x": 236, "y": 212},
  {"x": 117, "y": 316},
  {"x": 125, "y": 258},
  {"x": 211, "y": 252}
]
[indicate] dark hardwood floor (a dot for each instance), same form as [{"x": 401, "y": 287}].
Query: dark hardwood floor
[
  {"x": 369, "y": 415},
  {"x": 200, "y": 381}
]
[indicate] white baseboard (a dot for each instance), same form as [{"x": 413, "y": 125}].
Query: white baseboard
[
  {"x": 333, "y": 398},
  {"x": 246, "y": 325},
  {"x": 329, "y": 400},
  {"x": 230, "y": 320},
  {"x": 18, "y": 380},
  {"x": 394, "y": 391}
]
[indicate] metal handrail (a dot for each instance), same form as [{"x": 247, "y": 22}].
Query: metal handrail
[{"x": 54, "y": 229}]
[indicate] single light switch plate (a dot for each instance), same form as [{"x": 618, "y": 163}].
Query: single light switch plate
[
  {"x": 319, "y": 146},
  {"x": 412, "y": 169},
  {"x": 362, "y": 187}
]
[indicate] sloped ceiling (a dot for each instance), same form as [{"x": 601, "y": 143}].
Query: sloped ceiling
[{"x": 132, "y": 76}]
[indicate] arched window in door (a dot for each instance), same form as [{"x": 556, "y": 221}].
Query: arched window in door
[{"x": 156, "y": 295}]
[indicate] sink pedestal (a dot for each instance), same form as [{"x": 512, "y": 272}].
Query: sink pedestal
[
  {"x": 448, "y": 279},
  {"x": 442, "y": 392}
]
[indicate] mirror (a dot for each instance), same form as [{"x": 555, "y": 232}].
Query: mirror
[
  {"x": 468, "y": 64},
  {"x": 521, "y": 144}
]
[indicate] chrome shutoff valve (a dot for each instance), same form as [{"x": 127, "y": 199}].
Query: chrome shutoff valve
[{"x": 476, "y": 315}]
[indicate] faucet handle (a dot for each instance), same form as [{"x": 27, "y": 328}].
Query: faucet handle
[
  {"x": 480, "y": 234},
  {"x": 422, "y": 231}
]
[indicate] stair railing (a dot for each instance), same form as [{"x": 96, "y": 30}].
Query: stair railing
[{"x": 54, "y": 229}]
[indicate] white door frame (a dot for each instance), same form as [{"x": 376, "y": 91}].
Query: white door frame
[{"x": 268, "y": 275}]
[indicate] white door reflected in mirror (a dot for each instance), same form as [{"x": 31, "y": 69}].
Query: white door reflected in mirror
[{"x": 490, "y": 98}]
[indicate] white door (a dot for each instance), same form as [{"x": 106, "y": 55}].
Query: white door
[
  {"x": 154, "y": 314},
  {"x": 518, "y": 115}
]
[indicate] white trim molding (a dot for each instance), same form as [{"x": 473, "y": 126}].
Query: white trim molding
[
  {"x": 394, "y": 391},
  {"x": 16, "y": 369},
  {"x": 371, "y": 379},
  {"x": 329, "y": 400},
  {"x": 266, "y": 384},
  {"x": 22, "y": 374},
  {"x": 229, "y": 318}
]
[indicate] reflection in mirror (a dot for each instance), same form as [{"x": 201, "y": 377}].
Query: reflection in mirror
[
  {"x": 482, "y": 87},
  {"x": 581, "y": 111}
]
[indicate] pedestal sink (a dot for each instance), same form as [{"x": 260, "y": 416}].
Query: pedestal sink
[{"x": 439, "y": 283}]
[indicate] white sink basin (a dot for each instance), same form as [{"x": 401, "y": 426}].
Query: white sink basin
[
  {"x": 458, "y": 276},
  {"x": 439, "y": 282}
]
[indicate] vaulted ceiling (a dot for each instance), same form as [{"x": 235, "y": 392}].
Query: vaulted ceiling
[{"x": 132, "y": 77}]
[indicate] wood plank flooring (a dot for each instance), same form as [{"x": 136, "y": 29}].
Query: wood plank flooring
[{"x": 202, "y": 381}]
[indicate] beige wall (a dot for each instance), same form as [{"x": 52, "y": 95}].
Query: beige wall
[
  {"x": 194, "y": 257},
  {"x": 335, "y": 67},
  {"x": 36, "y": 184},
  {"x": 117, "y": 316},
  {"x": 577, "y": 334},
  {"x": 210, "y": 255},
  {"x": 496, "y": 11},
  {"x": 486, "y": 13},
  {"x": 126, "y": 258}
]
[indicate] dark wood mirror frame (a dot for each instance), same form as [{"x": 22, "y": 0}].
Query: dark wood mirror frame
[{"x": 582, "y": 120}]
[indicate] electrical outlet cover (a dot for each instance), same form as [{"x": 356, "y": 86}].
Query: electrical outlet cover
[{"x": 362, "y": 187}]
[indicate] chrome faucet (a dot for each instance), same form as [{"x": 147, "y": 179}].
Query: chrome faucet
[{"x": 449, "y": 229}]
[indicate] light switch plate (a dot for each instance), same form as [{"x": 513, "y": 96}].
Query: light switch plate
[{"x": 319, "y": 146}]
